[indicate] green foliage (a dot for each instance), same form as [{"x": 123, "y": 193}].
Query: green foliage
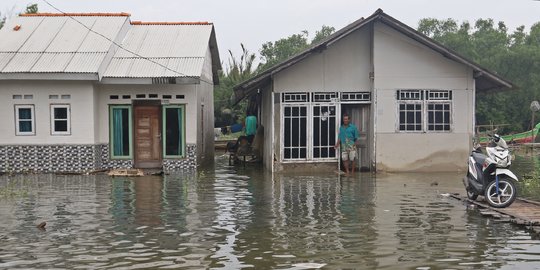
[
  {"x": 237, "y": 71},
  {"x": 278, "y": 51},
  {"x": 2, "y": 20},
  {"x": 529, "y": 185},
  {"x": 514, "y": 56},
  {"x": 244, "y": 68},
  {"x": 323, "y": 33},
  {"x": 275, "y": 52},
  {"x": 31, "y": 9}
]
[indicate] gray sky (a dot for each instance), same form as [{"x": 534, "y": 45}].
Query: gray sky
[{"x": 254, "y": 22}]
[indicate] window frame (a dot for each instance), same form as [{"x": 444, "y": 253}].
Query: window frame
[
  {"x": 298, "y": 105},
  {"x": 424, "y": 98},
  {"x": 53, "y": 119},
  {"x": 182, "y": 108},
  {"x": 32, "y": 120},
  {"x": 130, "y": 132}
]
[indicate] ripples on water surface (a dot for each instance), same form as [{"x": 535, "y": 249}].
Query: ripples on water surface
[{"x": 232, "y": 218}]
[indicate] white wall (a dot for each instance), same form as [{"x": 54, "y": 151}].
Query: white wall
[
  {"x": 205, "y": 121},
  {"x": 343, "y": 66},
  {"x": 104, "y": 92},
  {"x": 205, "y": 115},
  {"x": 267, "y": 123},
  {"x": 402, "y": 63},
  {"x": 81, "y": 103}
]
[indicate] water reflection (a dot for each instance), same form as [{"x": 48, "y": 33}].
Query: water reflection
[{"x": 232, "y": 218}]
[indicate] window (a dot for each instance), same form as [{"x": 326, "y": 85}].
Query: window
[
  {"x": 410, "y": 116},
  {"x": 173, "y": 131},
  {"x": 438, "y": 116},
  {"x": 424, "y": 110},
  {"x": 324, "y": 131},
  {"x": 60, "y": 119},
  {"x": 24, "y": 120},
  {"x": 295, "y": 132},
  {"x": 120, "y": 122}
]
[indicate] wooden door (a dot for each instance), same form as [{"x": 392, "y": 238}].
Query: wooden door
[{"x": 147, "y": 137}]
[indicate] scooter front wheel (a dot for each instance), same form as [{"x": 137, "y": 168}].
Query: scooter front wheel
[{"x": 503, "y": 196}]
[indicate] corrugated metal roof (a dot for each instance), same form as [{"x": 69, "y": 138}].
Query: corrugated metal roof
[
  {"x": 52, "y": 62},
  {"x": 57, "y": 43},
  {"x": 13, "y": 40},
  {"x": 85, "y": 62},
  {"x": 142, "y": 68},
  {"x": 179, "y": 47},
  {"x": 167, "y": 40},
  {"x": 21, "y": 62},
  {"x": 4, "y": 59}
]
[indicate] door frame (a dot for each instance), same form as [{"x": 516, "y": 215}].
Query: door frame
[{"x": 147, "y": 164}]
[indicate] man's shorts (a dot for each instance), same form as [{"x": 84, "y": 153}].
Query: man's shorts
[{"x": 348, "y": 155}]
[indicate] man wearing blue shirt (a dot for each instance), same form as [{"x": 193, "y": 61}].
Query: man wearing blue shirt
[{"x": 348, "y": 134}]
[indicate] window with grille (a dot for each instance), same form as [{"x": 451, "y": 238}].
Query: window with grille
[
  {"x": 410, "y": 116},
  {"x": 295, "y": 132},
  {"x": 356, "y": 96},
  {"x": 324, "y": 97},
  {"x": 424, "y": 110},
  {"x": 295, "y": 97}
]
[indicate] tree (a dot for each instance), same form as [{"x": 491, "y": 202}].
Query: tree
[
  {"x": 2, "y": 20},
  {"x": 514, "y": 56},
  {"x": 243, "y": 68},
  {"x": 278, "y": 51},
  {"x": 323, "y": 33},
  {"x": 30, "y": 9},
  {"x": 237, "y": 71}
]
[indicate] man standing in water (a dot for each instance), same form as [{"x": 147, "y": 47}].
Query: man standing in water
[{"x": 348, "y": 134}]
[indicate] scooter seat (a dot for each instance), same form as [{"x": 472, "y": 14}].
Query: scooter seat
[{"x": 479, "y": 158}]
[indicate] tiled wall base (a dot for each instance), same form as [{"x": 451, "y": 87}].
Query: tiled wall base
[
  {"x": 186, "y": 164},
  {"x": 77, "y": 158}
]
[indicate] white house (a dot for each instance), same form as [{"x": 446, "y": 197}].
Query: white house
[
  {"x": 412, "y": 98},
  {"x": 96, "y": 90}
]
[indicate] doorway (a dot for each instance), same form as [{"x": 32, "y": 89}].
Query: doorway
[
  {"x": 147, "y": 133},
  {"x": 359, "y": 114}
]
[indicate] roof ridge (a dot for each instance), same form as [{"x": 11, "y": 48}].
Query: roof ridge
[
  {"x": 170, "y": 23},
  {"x": 97, "y": 14}
]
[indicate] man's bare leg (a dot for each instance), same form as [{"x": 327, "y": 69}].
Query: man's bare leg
[
  {"x": 346, "y": 164},
  {"x": 352, "y": 163}
]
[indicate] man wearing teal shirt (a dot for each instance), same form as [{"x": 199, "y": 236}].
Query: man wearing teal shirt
[
  {"x": 348, "y": 134},
  {"x": 251, "y": 127}
]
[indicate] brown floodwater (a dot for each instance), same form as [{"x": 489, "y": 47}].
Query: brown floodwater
[{"x": 232, "y": 218}]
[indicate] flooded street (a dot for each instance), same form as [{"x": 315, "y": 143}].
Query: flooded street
[{"x": 233, "y": 217}]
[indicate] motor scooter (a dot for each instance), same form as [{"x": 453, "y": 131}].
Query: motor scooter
[{"x": 489, "y": 175}]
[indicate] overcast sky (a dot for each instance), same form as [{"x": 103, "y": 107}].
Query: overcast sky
[{"x": 254, "y": 22}]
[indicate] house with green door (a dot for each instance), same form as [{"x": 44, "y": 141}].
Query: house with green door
[{"x": 86, "y": 91}]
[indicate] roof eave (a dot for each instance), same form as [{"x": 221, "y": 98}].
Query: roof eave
[
  {"x": 151, "y": 80},
  {"x": 378, "y": 15}
]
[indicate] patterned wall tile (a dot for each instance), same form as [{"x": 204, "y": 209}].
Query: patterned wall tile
[{"x": 77, "y": 158}]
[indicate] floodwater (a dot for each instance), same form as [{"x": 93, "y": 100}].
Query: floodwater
[{"x": 233, "y": 218}]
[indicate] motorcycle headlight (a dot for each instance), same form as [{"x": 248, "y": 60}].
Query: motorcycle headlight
[{"x": 502, "y": 162}]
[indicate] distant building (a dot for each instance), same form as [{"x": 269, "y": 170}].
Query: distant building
[
  {"x": 89, "y": 91},
  {"x": 412, "y": 98}
]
